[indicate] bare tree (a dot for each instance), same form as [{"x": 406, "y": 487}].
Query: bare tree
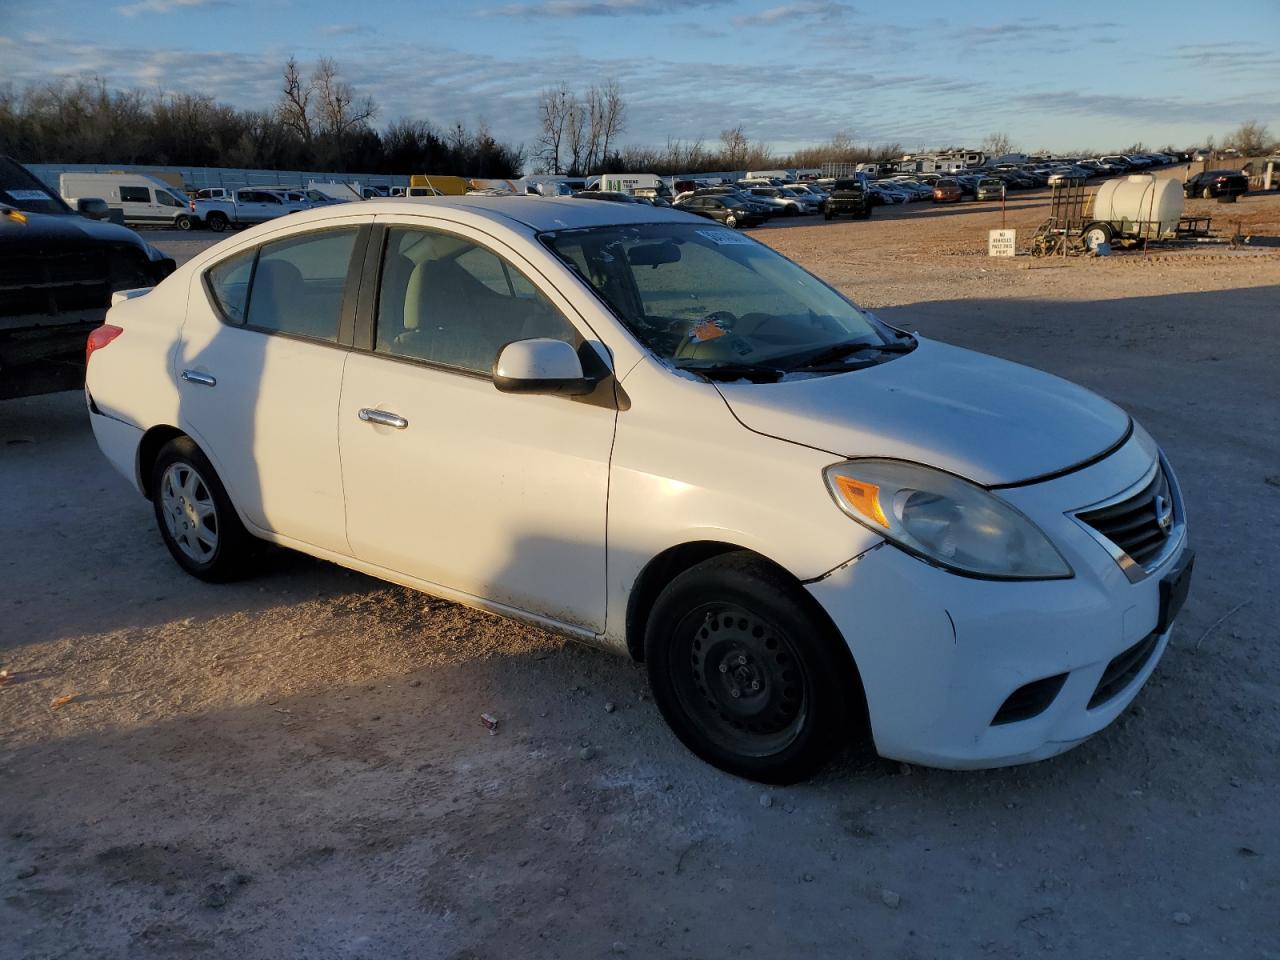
[
  {"x": 997, "y": 145},
  {"x": 553, "y": 114},
  {"x": 733, "y": 148},
  {"x": 295, "y": 103},
  {"x": 577, "y": 132},
  {"x": 1251, "y": 138},
  {"x": 341, "y": 111},
  {"x": 608, "y": 116}
]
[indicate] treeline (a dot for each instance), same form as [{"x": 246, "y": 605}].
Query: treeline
[
  {"x": 735, "y": 151},
  {"x": 319, "y": 123}
]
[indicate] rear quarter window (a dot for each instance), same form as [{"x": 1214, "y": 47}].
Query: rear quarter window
[{"x": 228, "y": 284}]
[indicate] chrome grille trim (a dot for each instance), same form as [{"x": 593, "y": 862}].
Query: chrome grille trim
[{"x": 1135, "y": 502}]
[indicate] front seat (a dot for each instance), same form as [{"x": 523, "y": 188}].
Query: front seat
[{"x": 278, "y": 300}]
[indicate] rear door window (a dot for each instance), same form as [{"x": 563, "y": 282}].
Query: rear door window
[{"x": 298, "y": 284}]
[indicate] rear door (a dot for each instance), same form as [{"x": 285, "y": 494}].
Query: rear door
[
  {"x": 260, "y": 369},
  {"x": 139, "y": 205},
  {"x": 497, "y": 496}
]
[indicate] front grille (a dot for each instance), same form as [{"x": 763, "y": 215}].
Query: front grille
[
  {"x": 53, "y": 281},
  {"x": 1029, "y": 700},
  {"x": 1134, "y": 524},
  {"x": 1121, "y": 671}
]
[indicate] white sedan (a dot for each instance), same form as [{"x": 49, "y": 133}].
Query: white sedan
[{"x": 655, "y": 434}]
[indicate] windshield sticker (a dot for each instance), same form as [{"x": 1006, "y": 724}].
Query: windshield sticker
[
  {"x": 28, "y": 194},
  {"x": 707, "y": 330},
  {"x": 724, "y": 238}
]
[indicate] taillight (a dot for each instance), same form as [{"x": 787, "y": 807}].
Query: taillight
[
  {"x": 192, "y": 205},
  {"x": 99, "y": 337}
]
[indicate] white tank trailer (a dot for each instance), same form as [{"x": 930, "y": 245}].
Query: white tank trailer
[{"x": 1135, "y": 207}]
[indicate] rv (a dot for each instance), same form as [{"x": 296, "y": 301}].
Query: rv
[
  {"x": 141, "y": 200},
  {"x": 768, "y": 175}
]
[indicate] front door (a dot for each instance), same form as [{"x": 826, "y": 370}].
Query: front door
[
  {"x": 496, "y": 495},
  {"x": 260, "y": 371}
]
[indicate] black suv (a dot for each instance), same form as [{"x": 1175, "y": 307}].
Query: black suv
[
  {"x": 58, "y": 269},
  {"x": 848, "y": 198},
  {"x": 1216, "y": 183}
]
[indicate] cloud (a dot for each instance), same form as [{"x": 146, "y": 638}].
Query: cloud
[
  {"x": 1025, "y": 28},
  {"x": 1144, "y": 109},
  {"x": 1231, "y": 58},
  {"x": 165, "y": 6},
  {"x": 823, "y": 10},
  {"x": 345, "y": 29},
  {"x": 572, "y": 9}
]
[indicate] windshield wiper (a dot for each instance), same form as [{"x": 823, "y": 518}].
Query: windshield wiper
[
  {"x": 839, "y": 351},
  {"x": 756, "y": 373}
]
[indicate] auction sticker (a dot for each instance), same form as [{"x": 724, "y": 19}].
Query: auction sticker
[{"x": 724, "y": 238}]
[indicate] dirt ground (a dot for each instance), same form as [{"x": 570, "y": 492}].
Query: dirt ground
[{"x": 294, "y": 766}]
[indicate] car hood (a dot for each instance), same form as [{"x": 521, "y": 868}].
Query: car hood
[
  {"x": 64, "y": 229},
  {"x": 989, "y": 420}
]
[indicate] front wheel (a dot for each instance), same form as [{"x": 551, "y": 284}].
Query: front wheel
[
  {"x": 745, "y": 671},
  {"x": 197, "y": 521},
  {"x": 217, "y": 222},
  {"x": 183, "y": 222},
  {"x": 731, "y": 222},
  {"x": 1207, "y": 193}
]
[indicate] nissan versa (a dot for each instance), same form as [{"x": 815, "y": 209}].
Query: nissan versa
[{"x": 645, "y": 430}]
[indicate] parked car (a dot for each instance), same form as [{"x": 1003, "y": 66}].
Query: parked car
[
  {"x": 849, "y": 198},
  {"x": 799, "y": 517},
  {"x": 1216, "y": 183},
  {"x": 990, "y": 188},
  {"x": 882, "y": 192},
  {"x": 761, "y": 206},
  {"x": 58, "y": 270},
  {"x": 947, "y": 190},
  {"x": 787, "y": 204},
  {"x": 725, "y": 210}
]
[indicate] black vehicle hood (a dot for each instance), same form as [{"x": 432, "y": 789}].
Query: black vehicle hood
[{"x": 66, "y": 228}]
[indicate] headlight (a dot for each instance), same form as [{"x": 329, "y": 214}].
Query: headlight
[{"x": 945, "y": 520}]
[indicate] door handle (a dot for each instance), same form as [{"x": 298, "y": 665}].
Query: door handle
[
  {"x": 383, "y": 417},
  {"x": 204, "y": 379}
]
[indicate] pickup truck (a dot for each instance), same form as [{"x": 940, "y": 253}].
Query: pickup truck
[
  {"x": 58, "y": 270},
  {"x": 248, "y": 206}
]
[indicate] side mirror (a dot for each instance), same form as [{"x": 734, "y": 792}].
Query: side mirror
[
  {"x": 95, "y": 208},
  {"x": 541, "y": 365}
]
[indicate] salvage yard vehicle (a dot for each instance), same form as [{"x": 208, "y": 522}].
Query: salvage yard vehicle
[
  {"x": 142, "y": 201},
  {"x": 248, "y": 206},
  {"x": 1216, "y": 183},
  {"x": 58, "y": 270},
  {"x": 989, "y": 188},
  {"x": 947, "y": 190},
  {"x": 848, "y": 199},
  {"x": 646, "y": 431},
  {"x": 724, "y": 209}
]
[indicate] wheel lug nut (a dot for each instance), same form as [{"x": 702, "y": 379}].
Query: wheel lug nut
[
  {"x": 724, "y": 668},
  {"x": 735, "y": 693},
  {"x": 755, "y": 684},
  {"x": 742, "y": 661}
]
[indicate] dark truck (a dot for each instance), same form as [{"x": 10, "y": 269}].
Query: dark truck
[
  {"x": 58, "y": 269},
  {"x": 848, "y": 198}
]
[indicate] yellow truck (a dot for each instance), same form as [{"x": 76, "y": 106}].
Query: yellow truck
[{"x": 428, "y": 185}]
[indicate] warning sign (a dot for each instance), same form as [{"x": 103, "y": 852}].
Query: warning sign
[{"x": 1002, "y": 243}]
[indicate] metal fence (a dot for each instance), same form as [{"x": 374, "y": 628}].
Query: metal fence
[{"x": 197, "y": 178}]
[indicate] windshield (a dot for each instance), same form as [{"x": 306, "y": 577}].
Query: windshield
[
  {"x": 22, "y": 191},
  {"x": 702, "y": 296}
]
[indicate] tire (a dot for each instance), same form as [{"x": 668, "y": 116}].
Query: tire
[
  {"x": 731, "y": 222},
  {"x": 734, "y": 622},
  {"x": 1096, "y": 233},
  {"x": 1207, "y": 193},
  {"x": 197, "y": 521},
  {"x": 183, "y": 223},
  {"x": 217, "y": 222},
  {"x": 827, "y": 215}
]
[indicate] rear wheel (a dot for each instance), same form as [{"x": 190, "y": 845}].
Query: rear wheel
[
  {"x": 183, "y": 222},
  {"x": 745, "y": 673},
  {"x": 217, "y": 222},
  {"x": 1207, "y": 193},
  {"x": 731, "y": 222},
  {"x": 197, "y": 521}
]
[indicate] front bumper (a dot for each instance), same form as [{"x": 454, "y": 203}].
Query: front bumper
[{"x": 942, "y": 655}]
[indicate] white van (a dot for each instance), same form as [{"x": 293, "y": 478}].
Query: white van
[
  {"x": 631, "y": 182},
  {"x": 142, "y": 200}
]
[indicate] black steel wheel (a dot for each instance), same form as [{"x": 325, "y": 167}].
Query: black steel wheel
[
  {"x": 747, "y": 672},
  {"x": 217, "y": 222}
]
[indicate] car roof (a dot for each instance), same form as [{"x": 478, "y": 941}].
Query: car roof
[{"x": 534, "y": 213}]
